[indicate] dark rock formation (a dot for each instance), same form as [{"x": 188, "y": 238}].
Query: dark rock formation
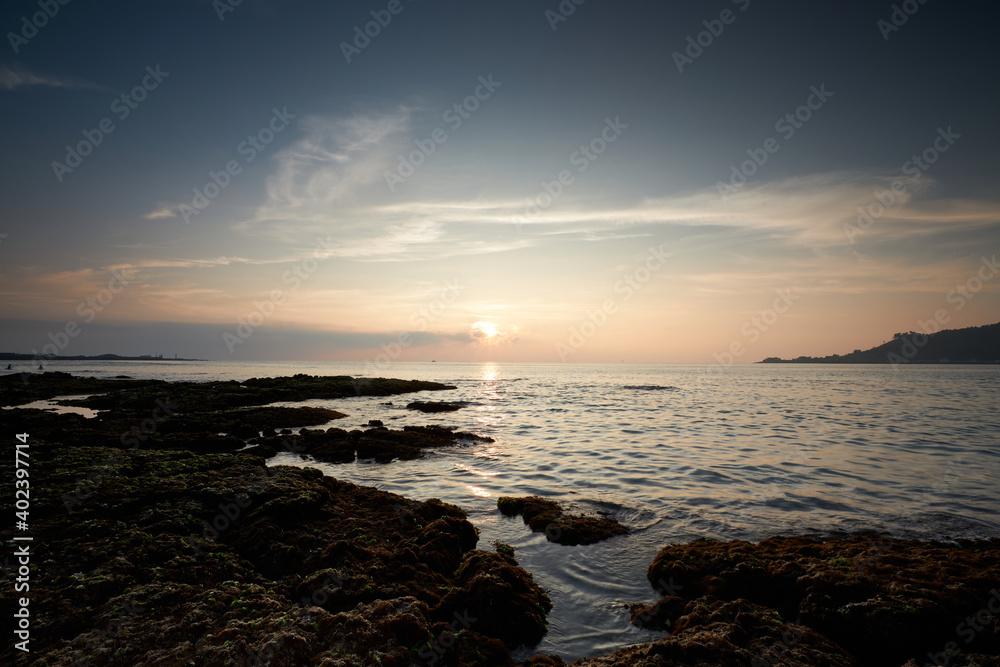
[
  {"x": 433, "y": 406},
  {"x": 137, "y": 396},
  {"x": 714, "y": 633},
  {"x": 546, "y": 516},
  {"x": 168, "y": 557},
  {"x": 883, "y": 601}
]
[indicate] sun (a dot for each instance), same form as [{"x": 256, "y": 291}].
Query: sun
[{"x": 486, "y": 331}]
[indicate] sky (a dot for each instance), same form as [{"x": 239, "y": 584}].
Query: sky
[{"x": 545, "y": 181}]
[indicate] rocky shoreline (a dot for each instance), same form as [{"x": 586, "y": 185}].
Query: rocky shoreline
[{"x": 160, "y": 541}]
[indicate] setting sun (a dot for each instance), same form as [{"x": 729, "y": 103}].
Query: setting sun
[{"x": 485, "y": 331}]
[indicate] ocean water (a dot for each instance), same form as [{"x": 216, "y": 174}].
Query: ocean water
[{"x": 675, "y": 452}]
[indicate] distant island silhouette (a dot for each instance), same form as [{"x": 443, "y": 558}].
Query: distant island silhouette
[
  {"x": 16, "y": 356},
  {"x": 974, "y": 345}
]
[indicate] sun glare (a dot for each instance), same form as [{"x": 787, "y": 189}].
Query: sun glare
[{"x": 486, "y": 331}]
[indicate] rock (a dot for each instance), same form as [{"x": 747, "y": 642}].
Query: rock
[
  {"x": 433, "y": 406},
  {"x": 883, "y": 600},
  {"x": 542, "y": 660},
  {"x": 138, "y": 397},
  {"x": 506, "y": 551},
  {"x": 245, "y": 432},
  {"x": 171, "y": 557},
  {"x": 546, "y": 516},
  {"x": 378, "y": 443},
  {"x": 263, "y": 451},
  {"x": 497, "y": 595},
  {"x": 714, "y": 632},
  {"x": 660, "y": 616}
]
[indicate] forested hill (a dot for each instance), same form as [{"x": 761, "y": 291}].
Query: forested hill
[{"x": 975, "y": 345}]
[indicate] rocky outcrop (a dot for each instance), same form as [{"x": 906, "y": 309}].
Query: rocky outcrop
[
  {"x": 547, "y": 516},
  {"x": 378, "y": 444},
  {"x": 170, "y": 557},
  {"x": 433, "y": 406},
  {"x": 883, "y": 601},
  {"x": 137, "y": 396}
]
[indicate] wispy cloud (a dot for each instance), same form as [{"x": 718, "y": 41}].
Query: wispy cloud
[
  {"x": 14, "y": 76},
  {"x": 809, "y": 211},
  {"x": 331, "y": 180},
  {"x": 163, "y": 211},
  {"x": 189, "y": 263},
  {"x": 317, "y": 177}
]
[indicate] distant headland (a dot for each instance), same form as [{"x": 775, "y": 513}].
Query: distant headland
[
  {"x": 16, "y": 356},
  {"x": 974, "y": 345}
]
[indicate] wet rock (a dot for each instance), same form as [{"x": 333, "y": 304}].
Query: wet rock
[
  {"x": 446, "y": 434},
  {"x": 165, "y": 556},
  {"x": 245, "y": 432},
  {"x": 714, "y": 632},
  {"x": 433, "y": 406},
  {"x": 497, "y": 595},
  {"x": 542, "y": 660},
  {"x": 660, "y": 616},
  {"x": 263, "y": 451},
  {"x": 378, "y": 443},
  {"x": 139, "y": 396},
  {"x": 546, "y": 516},
  {"x": 21, "y": 388},
  {"x": 506, "y": 551},
  {"x": 883, "y": 600}
]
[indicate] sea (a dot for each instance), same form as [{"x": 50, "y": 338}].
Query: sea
[{"x": 675, "y": 452}]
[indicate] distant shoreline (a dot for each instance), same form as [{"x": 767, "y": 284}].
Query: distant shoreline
[
  {"x": 972, "y": 345},
  {"x": 13, "y": 356},
  {"x": 823, "y": 360}
]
